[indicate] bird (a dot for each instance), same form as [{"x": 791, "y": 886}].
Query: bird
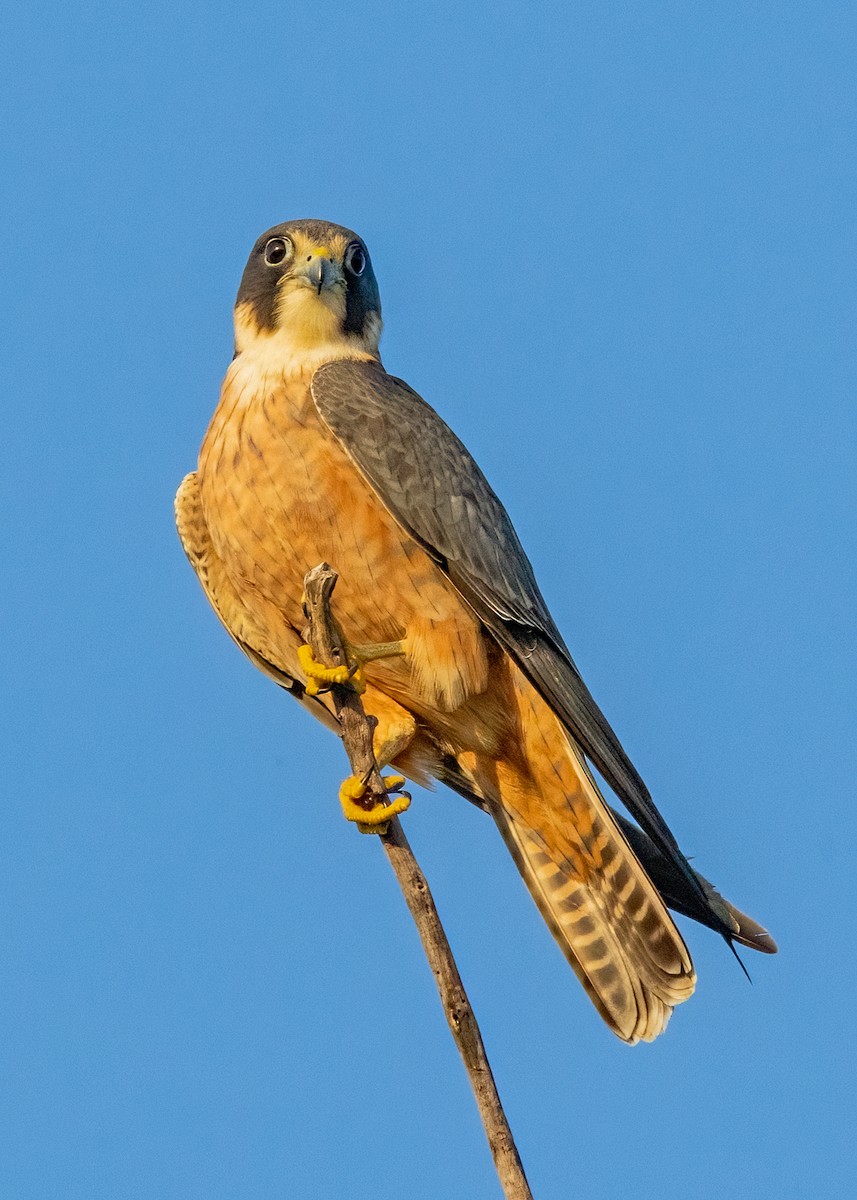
[{"x": 316, "y": 454}]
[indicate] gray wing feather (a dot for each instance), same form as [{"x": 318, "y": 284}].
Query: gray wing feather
[{"x": 430, "y": 483}]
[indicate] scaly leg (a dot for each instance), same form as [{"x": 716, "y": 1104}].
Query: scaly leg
[
  {"x": 319, "y": 677},
  {"x": 394, "y": 729}
]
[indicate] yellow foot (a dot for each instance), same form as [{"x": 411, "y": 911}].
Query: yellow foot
[
  {"x": 319, "y": 678},
  {"x": 372, "y": 820}
]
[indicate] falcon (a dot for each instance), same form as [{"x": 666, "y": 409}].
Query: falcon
[{"x": 315, "y": 453}]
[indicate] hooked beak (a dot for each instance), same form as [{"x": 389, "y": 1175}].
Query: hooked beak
[{"x": 318, "y": 272}]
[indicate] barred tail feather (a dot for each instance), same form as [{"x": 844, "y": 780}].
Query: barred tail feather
[
  {"x": 599, "y": 903},
  {"x": 629, "y": 983}
]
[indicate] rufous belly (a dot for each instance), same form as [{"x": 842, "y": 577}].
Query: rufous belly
[{"x": 280, "y": 495}]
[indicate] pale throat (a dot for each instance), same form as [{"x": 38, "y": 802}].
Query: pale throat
[{"x": 309, "y": 332}]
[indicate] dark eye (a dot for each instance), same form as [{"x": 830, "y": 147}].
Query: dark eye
[
  {"x": 277, "y": 250},
  {"x": 355, "y": 259}
]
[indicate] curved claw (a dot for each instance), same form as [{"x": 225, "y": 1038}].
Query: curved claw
[
  {"x": 372, "y": 820},
  {"x": 319, "y": 678}
]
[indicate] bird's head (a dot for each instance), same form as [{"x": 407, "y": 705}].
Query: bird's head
[{"x": 309, "y": 290}]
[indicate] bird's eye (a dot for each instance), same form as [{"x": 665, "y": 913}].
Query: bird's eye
[
  {"x": 277, "y": 250},
  {"x": 355, "y": 259}
]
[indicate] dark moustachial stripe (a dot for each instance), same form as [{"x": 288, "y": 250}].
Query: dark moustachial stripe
[{"x": 361, "y": 297}]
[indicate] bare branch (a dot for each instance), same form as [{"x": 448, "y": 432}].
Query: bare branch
[{"x": 326, "y": 641}]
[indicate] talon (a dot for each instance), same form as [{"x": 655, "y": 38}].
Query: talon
[
  {"x": 376, "y": 819},
  {"x": 319, "y": 678}
]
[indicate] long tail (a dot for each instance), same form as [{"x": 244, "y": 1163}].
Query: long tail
[
  {"x": 671, "y": 885},
  {"x": 597, "y": 900}
]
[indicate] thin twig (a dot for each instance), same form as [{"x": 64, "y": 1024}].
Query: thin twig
[{"x": 326, "y": 641}]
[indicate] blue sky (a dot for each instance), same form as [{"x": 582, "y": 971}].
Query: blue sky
[{"x": 615, "y": 244}]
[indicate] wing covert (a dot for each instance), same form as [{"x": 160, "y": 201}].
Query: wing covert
[{"x": 439, "y": 494}]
